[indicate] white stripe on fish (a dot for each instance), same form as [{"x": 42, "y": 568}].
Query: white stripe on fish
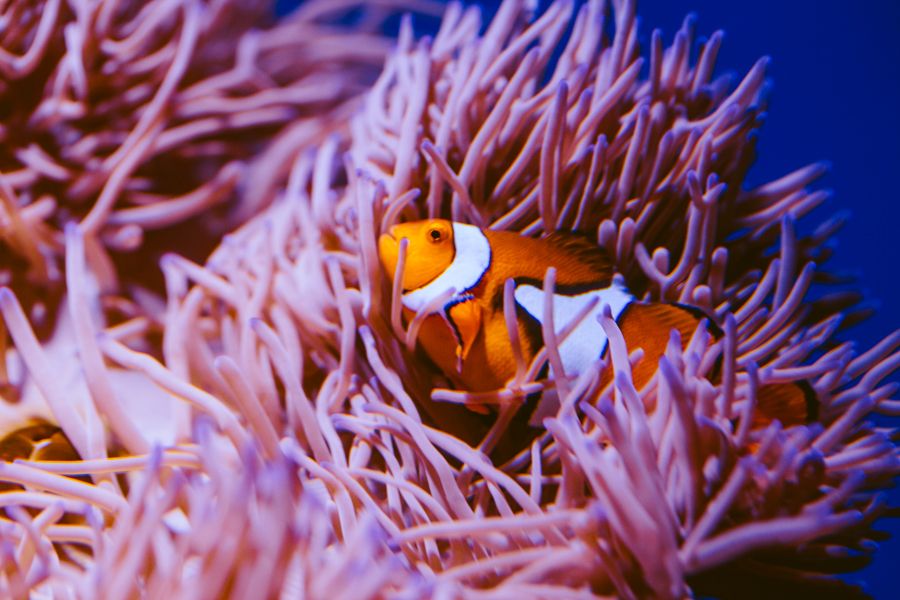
[
  {"x": 588, "y": 341},
  {"x": 471, "y": 260}
]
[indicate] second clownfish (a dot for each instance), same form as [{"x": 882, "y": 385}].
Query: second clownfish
[{"x": 467, "y": 337}]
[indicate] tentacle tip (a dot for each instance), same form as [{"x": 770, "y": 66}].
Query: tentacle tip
[
  {"x": 167, "y": 260},
  {"x": 532, "y": 55},
  {"x": 233, "y": 169},
  {"x": 869, "y": 546},
  {"x": 856, "y": 516},
  {"x": 622, "y": 378},
  {"x": 605, "y": 406}
]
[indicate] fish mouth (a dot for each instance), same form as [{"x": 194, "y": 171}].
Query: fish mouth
[
  {"x": 388, "y": 239},
  {"x": 389, "y": 252}
]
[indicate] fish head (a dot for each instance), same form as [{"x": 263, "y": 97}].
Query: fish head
[{"x": 429, "y": 253}]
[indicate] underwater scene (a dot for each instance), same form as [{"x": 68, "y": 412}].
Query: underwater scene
[{"x": 410, "y": 299}]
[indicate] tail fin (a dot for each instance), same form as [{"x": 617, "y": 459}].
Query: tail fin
[
  {"x": 791, "y": 403},
  {"x": 647, "y": 326}
]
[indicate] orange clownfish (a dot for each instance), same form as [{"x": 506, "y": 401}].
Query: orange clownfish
[{"x": 467, "y": 337}]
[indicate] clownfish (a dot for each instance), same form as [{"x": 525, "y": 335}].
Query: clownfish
[{"x": 467, "y": 337}]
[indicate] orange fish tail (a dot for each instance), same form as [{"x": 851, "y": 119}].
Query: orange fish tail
[{"x": 791, "y": 403}]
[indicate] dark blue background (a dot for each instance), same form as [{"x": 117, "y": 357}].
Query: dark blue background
[{"x": 835, "y": 72}]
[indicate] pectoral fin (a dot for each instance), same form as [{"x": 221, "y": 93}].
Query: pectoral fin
[{"x": 465, "y": 317}]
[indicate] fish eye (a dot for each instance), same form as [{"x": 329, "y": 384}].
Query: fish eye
[{"x": 435, "y": 234}]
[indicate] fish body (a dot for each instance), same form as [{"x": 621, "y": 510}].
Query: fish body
[
  {"x": 458, "y": 271},
  {"x": 467, "y": 336}
]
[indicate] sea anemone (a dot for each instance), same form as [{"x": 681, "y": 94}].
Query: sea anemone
[
  {"x": 302, "y": 444},
  {"x": 142, "y": 119}
]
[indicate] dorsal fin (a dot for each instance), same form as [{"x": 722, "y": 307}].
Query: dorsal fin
[{"x": 581, "y": 247}]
